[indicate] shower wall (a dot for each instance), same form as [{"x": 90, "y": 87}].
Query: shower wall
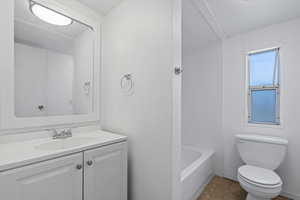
[
  {"x": 137, "y": 39},
  {"x": 202, "y": 100},
  {"x": 202, "y": 84}
]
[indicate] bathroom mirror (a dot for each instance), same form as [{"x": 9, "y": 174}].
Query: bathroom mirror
[
  {"x": 52, "y": 73},
  {"x": 53, "y": 62}
]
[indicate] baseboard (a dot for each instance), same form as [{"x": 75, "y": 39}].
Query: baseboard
[
  {"x": 290, "y": 196},
  {"x": 195, "y": 197}
]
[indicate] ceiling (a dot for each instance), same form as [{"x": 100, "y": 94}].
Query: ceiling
[
  {"x": 101, "y": 6},
  {"x": 195, "y": 30},
  {"x": 23, "y": 14},
  {"x": 32, "y": 31},
  {"x": 238, "y": 16},
  {"x": 208, "y": 20}
]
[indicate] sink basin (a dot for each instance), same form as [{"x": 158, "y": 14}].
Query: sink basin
[{"x": 64, "y": 143}]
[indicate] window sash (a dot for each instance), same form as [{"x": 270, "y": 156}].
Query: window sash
[
  {"x": 277, "y": 103},
  {"x": 276, "y": 77},
  {"x": 264, "y": 87},
  {"x": 275, "y": 86}
]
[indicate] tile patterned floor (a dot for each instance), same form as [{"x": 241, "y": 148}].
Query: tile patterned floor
[{"x": 224, "y": 189}]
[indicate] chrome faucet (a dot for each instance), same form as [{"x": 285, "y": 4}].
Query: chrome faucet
[{"x": 66, "y": 133}]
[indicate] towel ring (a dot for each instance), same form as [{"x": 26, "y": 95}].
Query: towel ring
[{"x": 127, "y": 84}]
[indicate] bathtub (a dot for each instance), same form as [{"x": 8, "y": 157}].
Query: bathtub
[{"x": 196, "y": 171}]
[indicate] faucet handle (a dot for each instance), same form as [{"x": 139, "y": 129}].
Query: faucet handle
[
  {"x": 62, "y": 134},
  {"x": 68, "y": 132}
]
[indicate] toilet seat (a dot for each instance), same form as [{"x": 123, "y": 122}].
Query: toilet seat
[
  {"x": 259, "y": 192},
  {"x": 259, "y": 177}
]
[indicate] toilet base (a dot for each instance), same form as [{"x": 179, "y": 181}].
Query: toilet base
[{"x": 251, "y": 197}]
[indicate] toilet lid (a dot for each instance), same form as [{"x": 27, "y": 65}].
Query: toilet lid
[{"x": 259, "y": 175}]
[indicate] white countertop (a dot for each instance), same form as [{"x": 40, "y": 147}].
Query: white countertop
[{"x": 21, "y": 153}]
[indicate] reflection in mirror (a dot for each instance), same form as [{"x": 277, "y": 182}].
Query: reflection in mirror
[{"x": 54, "y": 57}]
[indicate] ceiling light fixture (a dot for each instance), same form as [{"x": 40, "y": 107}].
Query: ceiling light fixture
[{"x": 49, "y": 15}]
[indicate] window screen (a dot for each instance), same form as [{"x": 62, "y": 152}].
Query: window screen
[{"x": 264, "y": 87}]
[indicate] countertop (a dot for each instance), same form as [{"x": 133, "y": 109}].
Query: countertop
[{"x": 22, "y": 153}]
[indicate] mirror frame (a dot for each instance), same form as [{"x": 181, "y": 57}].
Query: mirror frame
[{"x": 8, "y": 118}]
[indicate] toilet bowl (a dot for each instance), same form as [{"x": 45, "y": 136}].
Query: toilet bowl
[
  {"x": 262, "y": 155},
  {"x": 260, "y": 183}
]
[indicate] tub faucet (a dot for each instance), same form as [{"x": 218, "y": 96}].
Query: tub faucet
[{"x": 65, "y": 133}]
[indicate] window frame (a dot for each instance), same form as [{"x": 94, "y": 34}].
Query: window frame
[{"x": 275, "y": 87}]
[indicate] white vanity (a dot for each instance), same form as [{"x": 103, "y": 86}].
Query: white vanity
[
  {"x": 51, "y": 79},
  {"x": 89, "y": 166}
]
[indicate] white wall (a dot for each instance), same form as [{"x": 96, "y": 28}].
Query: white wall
[
  {"x": 30, "y": 80},
  {"x": 202, "y": 100},
  {"x": 60, "y": 79},
  {"x": 42, "y": 77},
  {"x": 286, "y": 36},
  {"x": 138, "y": 39},
  {"x": 83, "y": 52}
]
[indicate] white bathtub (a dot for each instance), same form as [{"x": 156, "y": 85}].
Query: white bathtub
[{"x": 196, "y": 171}]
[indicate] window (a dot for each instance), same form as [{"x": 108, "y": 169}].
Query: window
[{"x": 264, "y": 87}]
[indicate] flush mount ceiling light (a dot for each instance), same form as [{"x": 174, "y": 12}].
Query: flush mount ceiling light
[{"x": 49, "y": 15}]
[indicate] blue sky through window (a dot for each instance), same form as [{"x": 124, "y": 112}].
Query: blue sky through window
[
  {"x": 262, "y": 67},
  {"x": 263, "y": 71},
  {"x": 263, "y": 104}
]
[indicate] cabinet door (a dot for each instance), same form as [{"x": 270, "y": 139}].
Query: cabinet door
[
  {"x": 105, "y": 173},
  {"x": 57, "y": 179}
]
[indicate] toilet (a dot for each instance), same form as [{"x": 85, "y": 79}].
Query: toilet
[{"x": 262, "y": 155}]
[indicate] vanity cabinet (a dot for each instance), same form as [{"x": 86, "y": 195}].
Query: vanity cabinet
[
  {"x": 57, "y": 179},
  {"x": 105, "y": 174},
  {"x": 98, "y": 174}
]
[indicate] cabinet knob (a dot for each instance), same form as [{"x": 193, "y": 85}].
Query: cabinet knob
[
  {"x": 89, "y": 163},
  {"x": 79, "y": 166}
]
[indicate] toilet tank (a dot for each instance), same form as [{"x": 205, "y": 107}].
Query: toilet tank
[{"x": 262, "y": 151}]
